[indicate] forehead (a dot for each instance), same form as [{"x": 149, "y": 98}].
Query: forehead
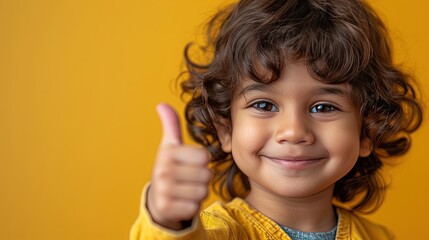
[{"x": 294, "y": 77}]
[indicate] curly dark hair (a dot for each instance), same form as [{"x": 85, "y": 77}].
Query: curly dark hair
[{"x": 341, "y": 42}]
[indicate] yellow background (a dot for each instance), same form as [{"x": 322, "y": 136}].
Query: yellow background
[{"x": 79, "y": 81}]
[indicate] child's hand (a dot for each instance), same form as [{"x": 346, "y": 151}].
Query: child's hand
[{"x": 180, "y": 177}]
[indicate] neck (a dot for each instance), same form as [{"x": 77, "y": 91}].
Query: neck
[{"x": 307, "y": 214}]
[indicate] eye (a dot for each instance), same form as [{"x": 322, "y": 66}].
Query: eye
[
  {"x": 323, "y": 108},
  {"x": 265, "y": 106}
]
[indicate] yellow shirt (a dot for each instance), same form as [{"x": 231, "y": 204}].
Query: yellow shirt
[{"x": 236, "y": 220}]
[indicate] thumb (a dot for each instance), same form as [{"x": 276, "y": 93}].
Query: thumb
[{"x": 171, "y": 132}]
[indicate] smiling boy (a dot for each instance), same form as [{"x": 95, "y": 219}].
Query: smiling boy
[
  {"x": 294, "y": 139},
  {"x": 298, "y": 110}
]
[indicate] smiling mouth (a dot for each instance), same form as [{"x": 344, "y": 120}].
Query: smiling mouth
[{"x": 296, "y": 163}]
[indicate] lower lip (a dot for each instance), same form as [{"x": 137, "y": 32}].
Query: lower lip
[{"x": 297, "y": 164}]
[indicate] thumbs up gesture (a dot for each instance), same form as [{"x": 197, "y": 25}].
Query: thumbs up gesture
[{"x": 180, "y": 177}]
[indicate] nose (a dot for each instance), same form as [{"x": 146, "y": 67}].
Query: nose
[{"x": 294, "y": 128}]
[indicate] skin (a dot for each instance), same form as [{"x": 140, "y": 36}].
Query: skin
[
  {"x": 180, "y": 176},
  {"x": 293, "y": 138}
]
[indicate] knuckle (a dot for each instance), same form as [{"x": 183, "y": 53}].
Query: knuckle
[
  {"x": 165, "y": 154},
  {"x": 164, "y": 189},
  {"x": 206, "y": 176},
  {"x": 204, "y": 155},
  {"x": 162, "y": 173},
  {"x": 200, "y": 192},
  {"x": 161, "y": 191}
]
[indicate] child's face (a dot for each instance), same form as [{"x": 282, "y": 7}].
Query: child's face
[{"x": 294, "y": 137}]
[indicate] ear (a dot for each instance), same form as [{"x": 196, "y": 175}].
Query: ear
[
  {"x": 365, "y": 147},
  {"x": 224, "y": 133}
]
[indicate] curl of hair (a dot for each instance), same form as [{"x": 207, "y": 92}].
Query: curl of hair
[{"x": 341, "y": 42}]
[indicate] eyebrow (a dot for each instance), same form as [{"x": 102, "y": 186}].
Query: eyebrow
[
  {"x": 260, "y": 87},
  {"x": 322, "y": 90},
  {"x": 330, "y": 90}
]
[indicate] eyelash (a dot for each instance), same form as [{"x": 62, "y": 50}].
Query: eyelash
[
  {"x": 331, "y": 108},
  {"x": 262, "y": 106},
  {"x": 266, "y": 106}
]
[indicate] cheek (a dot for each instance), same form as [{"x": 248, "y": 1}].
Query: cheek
[
  {"x": 248, "y": 135},
  {"x": 342, "y": 142},
  {"x": 346, "y": 148}
]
